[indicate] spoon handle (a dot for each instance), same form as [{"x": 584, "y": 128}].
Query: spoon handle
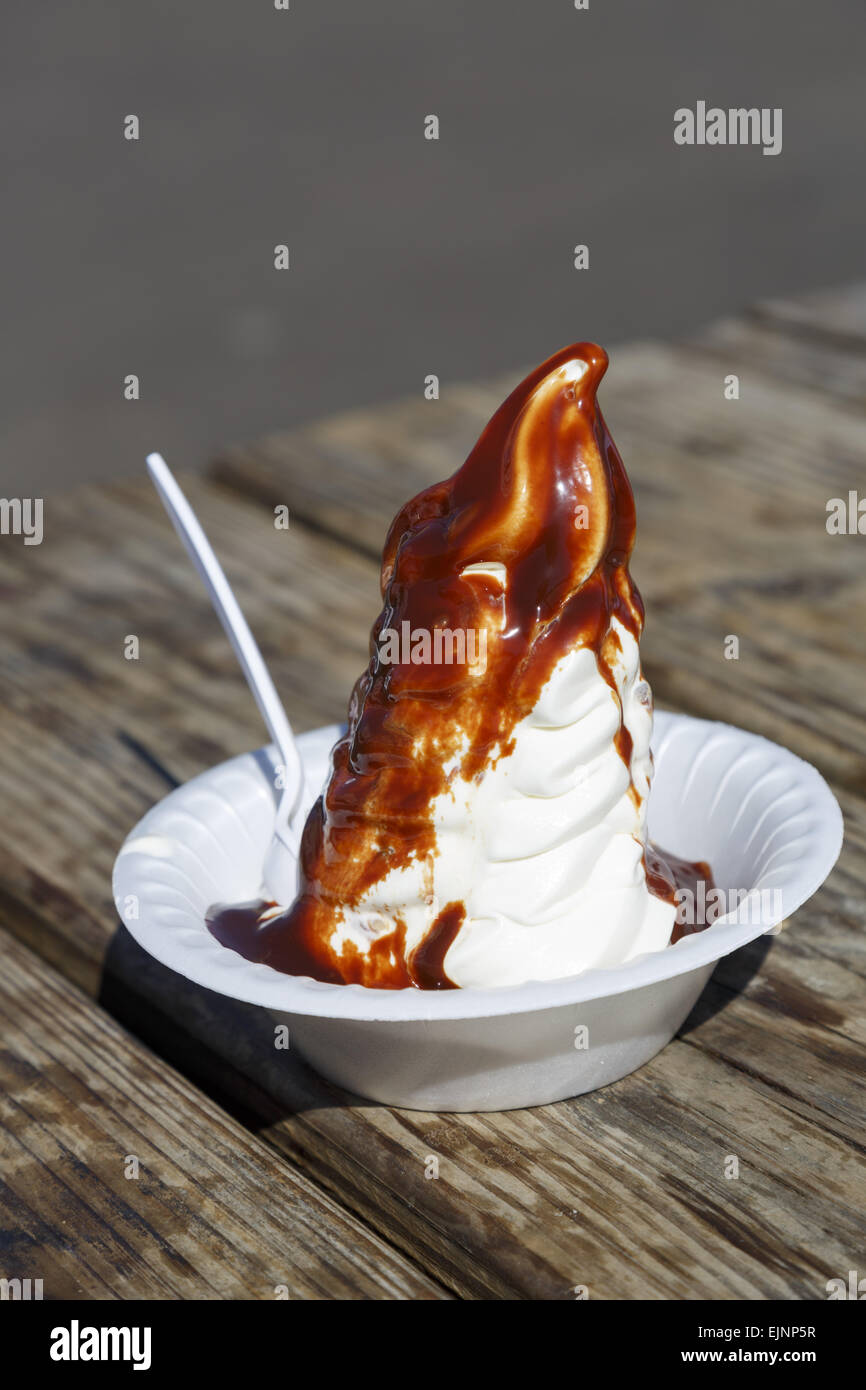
[{"x": 234, "y": 624}]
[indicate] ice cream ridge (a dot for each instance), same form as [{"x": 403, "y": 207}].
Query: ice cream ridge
[{"x": 484, "y": 821}]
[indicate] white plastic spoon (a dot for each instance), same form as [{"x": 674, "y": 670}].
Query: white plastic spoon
[{"x": 235, "y": 625}]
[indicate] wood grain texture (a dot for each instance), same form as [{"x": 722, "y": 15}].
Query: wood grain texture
[
  {"x": 623, "y": 1190},
  {"x": 834, "y": 314},
  {"x": 818, "y": 342},
  {"x": 213, "y": 1212}
]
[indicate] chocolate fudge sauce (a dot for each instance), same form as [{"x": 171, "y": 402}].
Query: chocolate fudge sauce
[{"x": 543, "y": 494}]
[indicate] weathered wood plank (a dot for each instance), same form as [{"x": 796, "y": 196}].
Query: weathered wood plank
[
  {"x": 761, "y": 343},
  {"x": 110, "y": 567},
  {"x": 836, "y": 313},
  {"x": 212, "y": 1213},
  {"x": 817, "y": 341}
]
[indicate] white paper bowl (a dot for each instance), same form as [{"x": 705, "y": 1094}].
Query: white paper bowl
[{"x": 763, "y": 818}]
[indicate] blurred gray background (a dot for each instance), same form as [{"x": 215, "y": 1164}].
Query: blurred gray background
[{"x": 407, "y": 256}]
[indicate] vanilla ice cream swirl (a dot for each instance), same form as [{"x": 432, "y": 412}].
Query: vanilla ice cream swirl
[{"x": 484, "y": 820}]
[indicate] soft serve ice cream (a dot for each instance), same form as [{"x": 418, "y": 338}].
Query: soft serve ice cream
[{"x": 484, "y": 821}]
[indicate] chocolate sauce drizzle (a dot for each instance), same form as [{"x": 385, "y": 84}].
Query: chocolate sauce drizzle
[{"x": 545, "y": 495}]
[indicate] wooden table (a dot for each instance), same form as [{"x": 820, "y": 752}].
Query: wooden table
[{"x": 254, "y": 1177}]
